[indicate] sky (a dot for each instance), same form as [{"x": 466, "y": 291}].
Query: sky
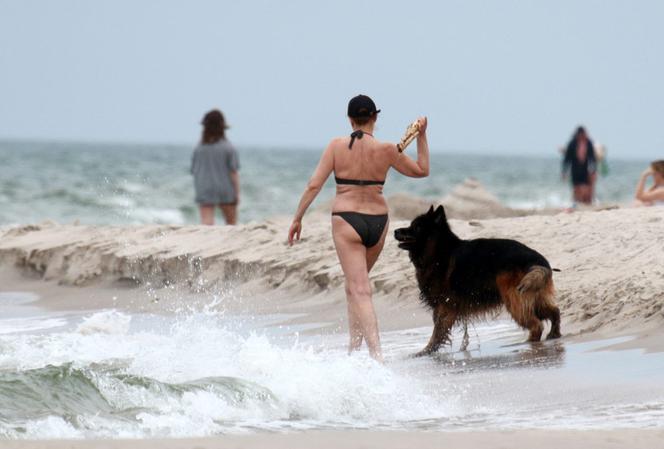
[{"x": 494, "y": 77}]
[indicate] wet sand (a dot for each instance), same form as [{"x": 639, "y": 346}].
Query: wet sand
[{"x": 543, "y": 439}]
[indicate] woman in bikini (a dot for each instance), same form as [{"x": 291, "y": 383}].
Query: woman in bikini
[
  {"x": 655, "y": 194},
  {"x": 360, "y": 164}
]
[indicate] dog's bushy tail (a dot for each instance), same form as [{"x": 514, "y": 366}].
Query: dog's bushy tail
[
  {"x": 536, "y": 286},
  {"x": 535, "y": 279}
]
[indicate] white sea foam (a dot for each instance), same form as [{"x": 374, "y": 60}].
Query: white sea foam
[
  {"x": 202, "y": 374},
  {"x": 106, "y": 322},
  {"x": 14, "y": 325}
]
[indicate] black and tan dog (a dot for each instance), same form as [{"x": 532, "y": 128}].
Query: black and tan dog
[{"x": 466, "y": 279}]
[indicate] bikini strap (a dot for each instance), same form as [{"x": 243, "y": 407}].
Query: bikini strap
[{"x": 358, "y": 134}]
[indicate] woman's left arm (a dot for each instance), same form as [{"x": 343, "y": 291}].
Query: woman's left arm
[{"x": 315, "y": 184}]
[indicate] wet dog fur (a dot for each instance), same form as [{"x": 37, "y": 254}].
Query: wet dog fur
[{"x": 462, "y": 280}]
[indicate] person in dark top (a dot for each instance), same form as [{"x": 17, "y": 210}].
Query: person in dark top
[{"x": 580, "y": 161}]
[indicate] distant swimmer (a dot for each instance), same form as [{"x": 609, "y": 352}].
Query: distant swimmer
[
  {"x": 215, "y": 167},
  {"x": 580, "y": 160},
  {"x": 654, "y": 196},
  {"x": 360, "y": 163}
]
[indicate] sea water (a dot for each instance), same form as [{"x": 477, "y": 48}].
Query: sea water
[
  {"x": 139, "y": 184},
  {"x": 200, "y": 371}
]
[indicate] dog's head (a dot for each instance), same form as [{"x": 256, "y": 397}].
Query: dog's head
[{"x": 422, "y": 230}]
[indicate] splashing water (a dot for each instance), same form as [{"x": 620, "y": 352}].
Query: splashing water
[{"x": 113, "y": 374}]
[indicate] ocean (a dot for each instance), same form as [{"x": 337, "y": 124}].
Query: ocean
[
  {"x": 141, "y": 184},
  {"x": 201, "y": 372}
]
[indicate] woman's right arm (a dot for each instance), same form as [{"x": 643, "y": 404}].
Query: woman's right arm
[
  {"x": 315, "y": 184},
  {"x": 420, "y": 168}
]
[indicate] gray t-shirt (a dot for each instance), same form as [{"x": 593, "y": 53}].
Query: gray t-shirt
[{"x": 212, "y": 165}]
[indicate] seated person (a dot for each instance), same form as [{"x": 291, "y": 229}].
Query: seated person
[{"x": 655, "y": 194}]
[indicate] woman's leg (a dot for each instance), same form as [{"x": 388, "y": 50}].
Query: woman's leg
[
  {"x": 207, "y": 214},
  {"x": 230, "y": 213},
  {"x": 374, "y": 251},
  {"x": 361, "y": 315},
  {"x": 586, "y": 193}
]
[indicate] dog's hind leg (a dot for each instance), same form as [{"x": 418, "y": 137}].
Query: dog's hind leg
[
  {"x": 466, "y": 338},
  {"x": 553, "y": 315},
  {"x": 443, "y": 321},
  {"x": 519, "y": 299},
  {"x": 546, "y": 309}
]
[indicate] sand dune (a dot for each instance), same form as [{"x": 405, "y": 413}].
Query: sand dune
[{"x": 612, "y": 262}]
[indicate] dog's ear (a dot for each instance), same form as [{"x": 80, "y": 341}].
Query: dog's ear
[
  {"x": 430, "y": 211},
  {"x": 439, "y": 216}
]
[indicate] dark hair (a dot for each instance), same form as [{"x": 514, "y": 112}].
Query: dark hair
[
  {"x": 214, "y": 127},
  {"x": 658, "y": 166},
  {"x": 361, "y": 121},
  {"x": 580, "y": 130}
]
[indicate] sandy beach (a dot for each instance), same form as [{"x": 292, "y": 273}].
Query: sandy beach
[{"x": 611, "y": 279}]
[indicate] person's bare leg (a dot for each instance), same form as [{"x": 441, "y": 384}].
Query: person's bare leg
[
  {"x": 374, "y": 251},
  {"x": 354, "y": 330},
  {"x": 361, "y": 314},
  {"x": 354, "y": 324},
  {"x": 578, "y": 194},
  {"x": 587, "y": 194},
  {"x": 230, "y": 213},
  {"x": 207, "y": 214}
]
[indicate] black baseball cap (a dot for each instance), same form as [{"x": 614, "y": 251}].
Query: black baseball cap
[{"x": 361, "y": 106}]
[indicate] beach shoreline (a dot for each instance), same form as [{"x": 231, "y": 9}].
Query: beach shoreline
[
  {"x": 611, "y": 280},
  {"x": 544, "y": 439}
]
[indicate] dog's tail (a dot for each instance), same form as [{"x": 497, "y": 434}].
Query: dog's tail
[
  {"x": 536, "y": 279},
  {"x": 536, "y": 285}
]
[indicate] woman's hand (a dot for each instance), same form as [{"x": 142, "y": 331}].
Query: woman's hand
[
  {"x": 647, "y": 172},
  {"x": 294, "y": 231}
]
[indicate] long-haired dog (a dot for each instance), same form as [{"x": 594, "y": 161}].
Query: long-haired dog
[{"x": 465, "y": 279}]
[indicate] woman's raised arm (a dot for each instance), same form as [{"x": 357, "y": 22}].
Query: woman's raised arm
[{"x": 419, "y": 168}]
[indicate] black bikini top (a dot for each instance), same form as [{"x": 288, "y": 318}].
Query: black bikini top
[
  {"x": 358, "y": 134},
  {"x": 358, "y": 182}
]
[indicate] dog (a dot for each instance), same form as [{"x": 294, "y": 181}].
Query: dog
[{"x": 461, "y": 280}]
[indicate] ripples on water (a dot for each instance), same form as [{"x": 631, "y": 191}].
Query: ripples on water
[
  {"x": 111, "y": 183},
  {"x": 199, "y": 372}
]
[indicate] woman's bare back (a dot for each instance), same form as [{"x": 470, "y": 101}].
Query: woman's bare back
[{"x": 367, "y": 160}]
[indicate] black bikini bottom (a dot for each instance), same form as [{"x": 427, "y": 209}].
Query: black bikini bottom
[{"x": 368, "y": 227}]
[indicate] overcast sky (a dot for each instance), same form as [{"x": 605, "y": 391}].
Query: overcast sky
[{"x": 493, "y": 76}]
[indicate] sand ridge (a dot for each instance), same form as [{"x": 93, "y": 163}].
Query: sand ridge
[{"x": 611, "y": 262}]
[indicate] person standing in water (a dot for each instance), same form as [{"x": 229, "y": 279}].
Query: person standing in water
[
  {"x": 215, "y": 168},
  {"x": 581, "y": 162},
  {"x": 360, "y": 163}
]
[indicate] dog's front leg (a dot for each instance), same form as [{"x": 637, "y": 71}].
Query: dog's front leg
[{"x": 443, "y": 320}]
